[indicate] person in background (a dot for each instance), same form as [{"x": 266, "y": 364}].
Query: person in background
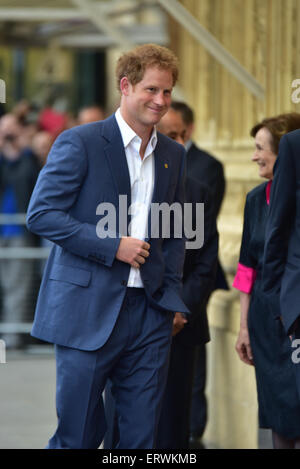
[
  {"x": 199, "y": 162},
  {"x": 53, "y": 121},
  {"x": 18, "y": 174},
  {"x": 27, "y": 115},
  {"x": 206, "y": 169},
  {"x": 192, "y": 331},
  {"x": 262, "y": 341},
  {"x": 90, "y": 114},
  {"x": 41, "y": 145}
]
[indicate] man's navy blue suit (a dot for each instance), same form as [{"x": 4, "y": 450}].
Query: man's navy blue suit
[{"x": 84, "y": 305}]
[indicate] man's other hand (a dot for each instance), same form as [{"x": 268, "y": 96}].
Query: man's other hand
[{"x": 179, "y": 322}]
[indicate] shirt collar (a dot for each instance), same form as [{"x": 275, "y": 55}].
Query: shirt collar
[
  {"x": 128, "y": 134},
  {"x": 188, "y": 145}
]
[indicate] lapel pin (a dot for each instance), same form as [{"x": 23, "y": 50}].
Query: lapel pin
[{"x": 166, "y": 165}]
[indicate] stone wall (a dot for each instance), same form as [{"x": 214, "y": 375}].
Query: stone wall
[{"x": 264, "y": 36}]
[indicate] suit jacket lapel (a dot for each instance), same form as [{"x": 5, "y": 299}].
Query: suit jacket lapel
[
  {"x": 162, "y": 172},
  {"x": 161, "y": 182},
  {"x": 116, "y": 157}
]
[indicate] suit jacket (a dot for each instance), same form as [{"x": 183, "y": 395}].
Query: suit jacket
[
  {"x": 199, "y": 271},
  {"x": 281, "y": 266},
  {"x": 206, "y": 169},
  {"x": 84, "y": 285}
]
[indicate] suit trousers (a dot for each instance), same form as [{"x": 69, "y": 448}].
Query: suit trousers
[
  {"x": 199, "y": 402},
  {"x": 135, "y": 359},
  {"x": 173, "y": 428}
]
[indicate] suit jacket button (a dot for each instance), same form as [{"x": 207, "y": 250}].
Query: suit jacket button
[{"x": 124, "y": 283}]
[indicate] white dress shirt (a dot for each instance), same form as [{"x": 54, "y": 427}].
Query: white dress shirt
[
  {"x": 188, "y": 145},
  {"x": 141, "y": 172}
]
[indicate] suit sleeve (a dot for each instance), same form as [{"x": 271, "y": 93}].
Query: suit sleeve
[
  {"x": 281, "y": 215},
  {"x": 246, "y": 272},
  {"x": 218, "y": 185},
  {"x": 56, "y": 190},
  {"x": 174, "y": 248},
  {"x": 201, "y": 263}
]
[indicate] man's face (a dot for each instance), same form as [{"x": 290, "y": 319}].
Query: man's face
[
  {"x": 189, "y": 132},
  {"x": 264, "y": 155},
  {"x": 173, "y": 126},
  {"x": 9, "y": 128},
  {"x": 145, "y": 103},
  {"x": 10, "y": 136},
  {"x": 88, "y": 115}
]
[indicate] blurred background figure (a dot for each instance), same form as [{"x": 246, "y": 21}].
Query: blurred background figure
[
  {"x": 53, "y": 121},
  {"x": 262, "y": 341},
  {"x": 18, "y": 174},
  {"x": 27, "y": 115},
  {"x": 90, "y": 114},
  {"x": 199, "y": 164},
  {"x": 198, "y": 280},
  {"x": 206, "y": 169},
  {"x": 41, "y": 144},
  {"x": 173, "y": 126},
  {"x": 21, "y": 110}
]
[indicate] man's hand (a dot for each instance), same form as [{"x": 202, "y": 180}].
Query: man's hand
[
  {"x": 243, "y": 346},
  {"x": 133, "y": 251},
  {"x": 178, "y": 323}
]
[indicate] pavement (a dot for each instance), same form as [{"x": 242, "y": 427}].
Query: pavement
[{"x": 27, "y": 398}]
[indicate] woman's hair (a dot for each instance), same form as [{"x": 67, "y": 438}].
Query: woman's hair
[
  {"x": 134, "y": 63},
  {"x": 278, "y": 126}
]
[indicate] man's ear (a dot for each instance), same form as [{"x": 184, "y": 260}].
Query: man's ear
[{"x": 124, "y": 86}]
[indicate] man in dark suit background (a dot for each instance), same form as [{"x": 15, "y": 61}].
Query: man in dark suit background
[
  {"x": 201, "y": 165},
  {"x": 110, "y": 290},
  {"x": 281, "y": 267},
  {"x": 198, "y": 280},
  {"x": 206, "y": 169}
]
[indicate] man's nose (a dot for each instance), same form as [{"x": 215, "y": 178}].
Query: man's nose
[
  {"x": 180, "y": 140},
  {"x": 160, "y": 99}
]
